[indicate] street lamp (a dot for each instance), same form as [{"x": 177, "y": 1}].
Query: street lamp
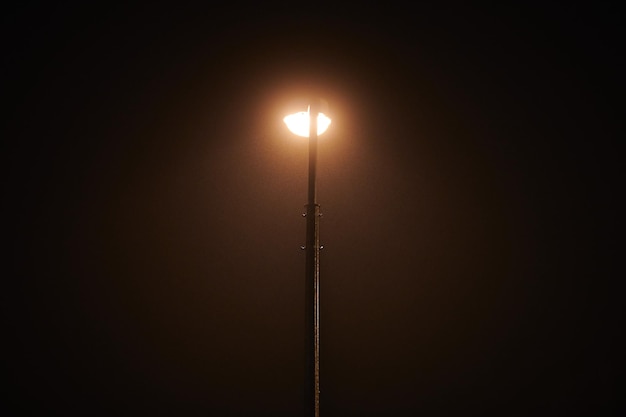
[
  {"x": 299, "y": 123},
  {"x": 302, "y": 124}
]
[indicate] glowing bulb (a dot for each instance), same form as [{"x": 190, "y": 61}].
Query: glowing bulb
[{"x": 298, "y": 123}]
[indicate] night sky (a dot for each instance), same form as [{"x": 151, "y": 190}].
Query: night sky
[{"x": 152, "y": 201}]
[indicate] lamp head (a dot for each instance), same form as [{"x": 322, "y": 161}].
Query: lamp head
[{"x": 298, "y": 122}]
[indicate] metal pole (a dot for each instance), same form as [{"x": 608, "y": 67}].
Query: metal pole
[{"x": 312, "y": 281}]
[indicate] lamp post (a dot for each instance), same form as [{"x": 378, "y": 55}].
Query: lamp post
[{"x": 311, "y": 124}]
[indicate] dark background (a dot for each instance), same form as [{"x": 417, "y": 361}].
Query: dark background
[{"x": 152, "y": 205}]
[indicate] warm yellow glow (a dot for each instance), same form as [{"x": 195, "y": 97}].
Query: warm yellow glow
[{"x": 298, "y": 123}]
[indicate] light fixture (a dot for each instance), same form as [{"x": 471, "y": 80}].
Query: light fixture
[{"x": 298, "y": 123}]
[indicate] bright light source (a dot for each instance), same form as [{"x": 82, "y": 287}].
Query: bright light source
[{"x": 298, "y": 123}]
